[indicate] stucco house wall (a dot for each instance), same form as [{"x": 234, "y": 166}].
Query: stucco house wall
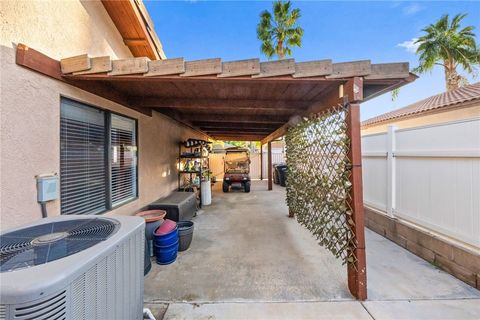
[
  {"x": 30, "y": 106},
  {"x": 467, "y": 111}
]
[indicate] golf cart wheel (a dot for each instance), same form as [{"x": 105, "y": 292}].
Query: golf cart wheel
[
  {"x": 225, "y": 187},
  {"x": 247, "y": 186}
]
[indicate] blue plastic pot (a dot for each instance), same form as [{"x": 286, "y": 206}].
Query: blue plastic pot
[
  {"x": 166, "y": 239},
  {"x": 166, "y": 254}
]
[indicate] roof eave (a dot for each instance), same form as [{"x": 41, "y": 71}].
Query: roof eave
[{"x": 138, "y": 34}]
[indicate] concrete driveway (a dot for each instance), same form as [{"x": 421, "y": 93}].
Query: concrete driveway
[{"x": 249, "y": 261}]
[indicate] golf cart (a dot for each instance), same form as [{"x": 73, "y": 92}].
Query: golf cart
[{"x": 236, "y": 168}]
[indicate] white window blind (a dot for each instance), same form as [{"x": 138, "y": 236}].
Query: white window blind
[
  {"x": 82, "y": 159},
  {"x": 123, "y": 159}
]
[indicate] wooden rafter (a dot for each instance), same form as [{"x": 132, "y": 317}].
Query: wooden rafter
[
  {"x": 212, "y": 104},
  {"x": 244, "y": 98}
]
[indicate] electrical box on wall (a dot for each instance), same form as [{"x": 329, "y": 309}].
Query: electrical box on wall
[{"x": 47, "y": 188}]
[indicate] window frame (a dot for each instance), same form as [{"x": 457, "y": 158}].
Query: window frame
[{"x": 108, "y": 154}]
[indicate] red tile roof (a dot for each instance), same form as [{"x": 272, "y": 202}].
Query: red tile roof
[{"x": 442, "y": 100}]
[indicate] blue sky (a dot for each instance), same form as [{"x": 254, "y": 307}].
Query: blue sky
[{"x": 342, "y": 31}]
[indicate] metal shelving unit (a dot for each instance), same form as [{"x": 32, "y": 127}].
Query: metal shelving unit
[{"x": 185, "y": 156}]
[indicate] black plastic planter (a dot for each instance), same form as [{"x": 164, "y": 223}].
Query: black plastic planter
[{"x": 185, "y": 234}]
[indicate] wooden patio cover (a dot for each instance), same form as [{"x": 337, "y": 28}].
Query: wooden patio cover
[{"x": 237, "y": 100}]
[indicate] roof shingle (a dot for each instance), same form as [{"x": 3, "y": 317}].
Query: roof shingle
[{"x": 442, "y": 100}]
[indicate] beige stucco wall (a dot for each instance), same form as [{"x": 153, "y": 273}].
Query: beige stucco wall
[
  {"x": 468, "y": 112},
  {"x": 30, "y": 109},
  {"x": 61, "y": 28}
]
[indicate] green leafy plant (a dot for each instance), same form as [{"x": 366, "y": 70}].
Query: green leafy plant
[
  {"x": 318, "y": 180},
  {"x": 279, "y": 32},
  {"x": 448, "y": 45}
]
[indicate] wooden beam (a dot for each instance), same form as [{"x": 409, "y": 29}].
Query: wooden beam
[
  {"x": 387, "y": 88},
  {"x": 77, "y": 63},
  {"x": 98, "y": 65},
  {"x": 129, "y": 66},
  {"x": 357, "y": 272},
  {"x": 269, "y": 165},
  {"x": 237, "y": 137},
  {"x": 239, "y": 127},
  {"x": 352, "y": 89},
  {"x": 244, "y": 131},
  {"x": 180, "y": 103},
  {"x": 240, "y": 68},
  {"x": 104, "y": 90},
  {"x": 202, "y": 67},
  {"x": 389, "y": 71},
  {"x": 221, "y": 118},
  {"x": 139, "y": 42},
  {"x": 165, "y": 67},
  {"x": 276, "y": 68},
  {"x": 38, "y": 62},
  {"x": 276, "y": 134},
  {"x": 350, "y": 69},
  {"x": 313, "y": 68},
  {"x": 261, "y": 161}
]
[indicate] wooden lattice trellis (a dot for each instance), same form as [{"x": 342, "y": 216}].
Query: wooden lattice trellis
[{"x": 318, "y": 181}]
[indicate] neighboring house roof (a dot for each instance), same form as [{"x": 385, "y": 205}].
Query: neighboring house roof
[
  {"x": 443, "y": 100},
  {"x": 136, "y": 27}
]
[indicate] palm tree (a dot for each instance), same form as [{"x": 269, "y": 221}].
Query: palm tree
[
  {"x": 447, "y": 45},
  {"x": 280, "y": 32}
]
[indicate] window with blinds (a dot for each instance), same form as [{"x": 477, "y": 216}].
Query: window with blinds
[
  {"x": 123, "y": 159},
  {"x": 98, "y": 159},
  {"x": 82, "y": 159}
]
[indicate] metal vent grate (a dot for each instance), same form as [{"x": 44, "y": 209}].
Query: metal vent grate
[
  {"x": 52, "y": 307},
  {"x": 110, "y": 288},
  {"x": 51, "y": 241},
  {"x": 3, "y": 312}
]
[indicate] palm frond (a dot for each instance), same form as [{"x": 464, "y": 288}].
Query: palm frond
[
  {"x": 444, "y": 43},
  {"x": 278, "y": 30}
]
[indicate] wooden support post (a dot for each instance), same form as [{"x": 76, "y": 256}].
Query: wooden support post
[
  {"x": 357, "y": 272},
  {"x": 261, "y": 161},
  {"x": 269, "y": 165}
]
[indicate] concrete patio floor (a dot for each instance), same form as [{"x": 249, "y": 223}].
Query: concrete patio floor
[{"x": 249, "y": 261}]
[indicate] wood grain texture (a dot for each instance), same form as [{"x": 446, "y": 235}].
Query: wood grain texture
[
  {"x": 350, "y": 69},
  {"x": 129, "y": 66},
  {"x": 131, "y": 23},
  {"x": 98, "y": 65},
  {"x": 240, "y": 68},
  {"x": 234, "y": 104},
  {"x": 313, "y": 68},
  {"x": 76, "y": 63},
  {"x": 165, "y": 67},
  {"x": 389, "y": 71},
  {"x": 269, "y": 166},
  {"x": 202, "y": 67},
  {"x": 237, "y": 118},
  {"x": 237, "y": 137},
  {"x": 276, "y": 134},
  {"x": 357, "y": 272},
  {"x": 276, "y": 68},
  {"x": 37, "y": 61}
]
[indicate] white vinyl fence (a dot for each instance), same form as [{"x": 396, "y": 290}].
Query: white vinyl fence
[
  {"x": 216, "y": 163},
  {"x": 429, "y": 176}
]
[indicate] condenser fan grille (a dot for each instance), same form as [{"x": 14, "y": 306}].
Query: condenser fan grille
[{"x": 51, "y": 241}]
